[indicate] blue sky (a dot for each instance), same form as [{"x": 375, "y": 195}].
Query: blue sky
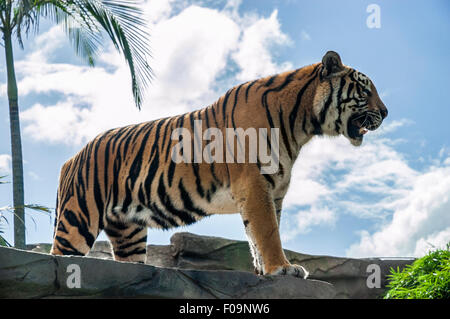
[{"x": 388, "y": 198}]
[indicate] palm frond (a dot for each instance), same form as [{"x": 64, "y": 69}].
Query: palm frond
[
  {"x": 3, "y": 241},
  {"x": 121, "y": 20},
  {"x": 26, "y": 15},
  {"x": 124, "y": 24},
  {"x": 3, "y": 182}
]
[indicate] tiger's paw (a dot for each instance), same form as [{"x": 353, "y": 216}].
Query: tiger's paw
[{"x": 290, "y": 270}]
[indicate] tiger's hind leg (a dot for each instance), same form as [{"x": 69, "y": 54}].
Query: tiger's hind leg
[
  {"x": 74, "y": 234},
  {"x": 129, "y": 241}
]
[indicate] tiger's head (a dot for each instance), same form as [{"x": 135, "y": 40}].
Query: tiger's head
[{"x": 346, "y": 101}]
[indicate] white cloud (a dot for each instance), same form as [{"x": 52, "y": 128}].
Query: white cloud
[
  {"x": 34, "y": 176},
  {"x": 305, "y": 35},
  {"x": 157, "y": 10},
  {"x": 421, "y": 217},
  {"x": 254, "y": 55},
  {"x": 58, "y": 118},
  {"x": 47, "y": 43},
  {"x": 328, "y": 168},
  {"x": 439, "y": 239},
  {"x": 5, "y": 161},
  {"x": 203, "y": 43},
  {"x": 409, "y": 208},
  {"x": 306, "y": 219}
]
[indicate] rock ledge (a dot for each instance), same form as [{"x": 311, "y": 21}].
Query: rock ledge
[{"x": 192, "y": 266}]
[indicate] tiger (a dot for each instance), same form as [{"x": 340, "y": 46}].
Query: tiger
[{"x": 126, "y": 180}]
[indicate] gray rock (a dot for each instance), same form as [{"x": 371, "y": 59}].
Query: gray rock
[
  {"x": 40, "y": 248},
  {"x": 212, "y": 257},
  {"x": 348, "y": 275},
  {"x": 25, "y": 274},
  {"x": 101, "y": 249}
]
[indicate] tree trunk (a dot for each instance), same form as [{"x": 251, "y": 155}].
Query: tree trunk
[{"x": 16, "y": 146}]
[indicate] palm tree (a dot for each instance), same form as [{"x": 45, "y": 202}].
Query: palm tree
[{"x": 86, "y": 22}]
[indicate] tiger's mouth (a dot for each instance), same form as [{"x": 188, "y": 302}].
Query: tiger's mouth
[{"x": 359, "y": 124}]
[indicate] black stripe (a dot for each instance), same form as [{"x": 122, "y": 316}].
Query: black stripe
[
  {"x": 271, "y": 80},
  {"x": 213, "y": 173},
  {"x": 234, "y": 105},
  {"x": 323, "y": 112},
  {"x": 105, "y": 179},
  {"x": 136, "y": 251},
  {"x": 187, "y": 202},
  {"x": 162, "y": 224},
  {"x": 198, "y": 181},
  {"x": 248, "y": 88},
  {"x": 225, "y": 101},
  {"x": 317, "y": 128},
  {"x": 64, "y": 242},
  {"x": 61, "y": 227},
  {"x": 152, "y": 170},
  {"x": 81, "y": 194},
  {"x": 277, "y": 89},
  {"x": 128, "y": 245},
  {"x": 118, "y": 225},
  {"x": 167, "y": 121},
  {"x": 207, "y": 117},
  {"x": 165, "y": 200},
  {"x": 269, "y": 179},
  {"x": 210, "y": 192},
  {"x": 338, "y": 122},
  {"x": 198, "y": 140},
  {"x": 151, "y": 174},
  {"x": 98, "y": 196},
  {"x": 303, "y": 124},
  {"x": 264, "y": 103},
  {"x": 179, "y": 124},
  {"x": 286, "y": 82},
  {"x": 284, "y": 134},
  {"x": 171, "y": 172},
  {"x": 119, "y": 141},
  {"x": 293, "y": 114},
  {"x": 141, "y": 195},
  {"x": 85, "y": 159},
  {"x": 135, "y": 169},
  {"x": 358, "y": 89},
  {"x": 115, "y": 179},
  {"x": 81, "y": 225},
  {"x": 266, "y": 176},
  {"x": 366, "y": 90},
  {"x": 112, "y": 233},
  {"x": 133, "y": 133},
  {"x": 165, "y": 221},
  {"x": 349, "y": 91},
  {"x": 134, "y": 232},
  {"x": 214, "y": 116}
]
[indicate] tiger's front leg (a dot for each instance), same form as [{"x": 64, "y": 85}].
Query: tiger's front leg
[{"x": 261, "y": 225}]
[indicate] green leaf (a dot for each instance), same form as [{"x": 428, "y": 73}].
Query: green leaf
[{"x": 427, "y": 278}]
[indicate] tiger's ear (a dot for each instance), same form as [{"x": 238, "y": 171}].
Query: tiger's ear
[{"x": 331, "y": 64}]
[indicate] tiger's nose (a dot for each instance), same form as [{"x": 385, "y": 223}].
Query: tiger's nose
[{"x": 384, "y": 112}]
